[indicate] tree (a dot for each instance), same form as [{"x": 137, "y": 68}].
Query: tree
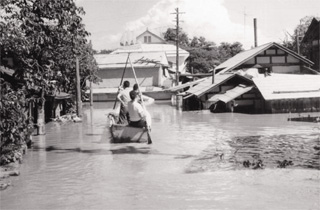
[
  {"x": 227, "y": 50},
  {"x": 171, "y": 36},
  {"x": 298, "y": 34},
  {"x": 15, "y": 126},
  {"x": 204, "y": 55},
  {"x": 44, "y": 37},
  {"x": 202, "y": 60}
]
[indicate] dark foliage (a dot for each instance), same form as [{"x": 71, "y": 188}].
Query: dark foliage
[{"x": 15, "y": 125}]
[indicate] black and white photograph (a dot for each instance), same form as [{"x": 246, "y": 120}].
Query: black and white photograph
[{"x": 159, "y": 104}]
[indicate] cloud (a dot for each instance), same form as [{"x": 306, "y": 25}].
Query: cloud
[{"x": 207, "y": 18}]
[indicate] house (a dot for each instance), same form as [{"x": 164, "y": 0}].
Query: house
[
  {"x": 225, "y": 88},
  {"x": 149, "y": 41},
  {"x": 148, "y": 37},
  {"x": 168, "y": 49},
  {"x": 271, "y": 57},
  {"x": 312, "y": 39},
  {"x": 289, "y": 93},
  {"x": 257, "y": 80},
  {"x": 150, "y": 69}
]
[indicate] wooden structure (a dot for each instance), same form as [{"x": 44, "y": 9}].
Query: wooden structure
[
  {"x": 311, "y": 40},
  {"x": 219, "y": 94},
  {"x": 271, "y": 57},
  {"x": 266, "y": 79},
  {"x": 150, "y": 70},
  {"x": 126, "y": 134},
  {"x": 289, "y": 93},
  {"x": 149, "y": 73}
]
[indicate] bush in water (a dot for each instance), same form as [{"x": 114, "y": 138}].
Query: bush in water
[{"x": 15, "y": 125}]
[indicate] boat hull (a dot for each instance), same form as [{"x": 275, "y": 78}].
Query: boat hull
[{"x": 126, "y": 134}]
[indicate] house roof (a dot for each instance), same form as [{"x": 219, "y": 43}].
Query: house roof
[
  {"x": 314, "y": 26},
  {"x": 206, "y": 85},
  {"x": 288, "y": 86},
  {"x": 185, "y": 85},
  {"x": 169, "y": 49},
  {"x": 150, "y": 59},
  {"x": 152, "y": 33},
  {"x": 231, "y": 94},
  {"x": 245, "y": 56}
]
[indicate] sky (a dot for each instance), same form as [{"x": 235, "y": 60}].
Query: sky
[{"x": 110, "y": 21}]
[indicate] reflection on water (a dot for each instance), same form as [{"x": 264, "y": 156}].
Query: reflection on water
[{"x": 197, "y": 161}]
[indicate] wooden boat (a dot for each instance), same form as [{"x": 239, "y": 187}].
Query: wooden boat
[
  {"x": 121, "y": 133},
  {"x": 125, "y": 133}
]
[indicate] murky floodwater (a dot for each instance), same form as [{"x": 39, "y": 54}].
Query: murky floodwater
[{"x": 196, "y": 161}]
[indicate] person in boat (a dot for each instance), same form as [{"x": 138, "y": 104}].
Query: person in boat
[
  {"x": 136, "y": 111},
  {"x": 146, "y": 99},
  {"x": 124, "y": 98}
]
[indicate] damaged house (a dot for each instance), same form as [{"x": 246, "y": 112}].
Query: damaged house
[{"x": 267, "y": 79}]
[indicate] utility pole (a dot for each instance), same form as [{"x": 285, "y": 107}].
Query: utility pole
[
  {"x": 255, "y": 32},
  {"x": 177, "y": 43},
  {"x": 78, "y": 95}
]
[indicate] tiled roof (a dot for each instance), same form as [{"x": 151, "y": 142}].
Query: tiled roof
[
  {"x": 231, "y": 94},
  {"x": 207, "y": 85},
  {"x": 287, "y": 86},
  {"x": 244, "y": 56}
]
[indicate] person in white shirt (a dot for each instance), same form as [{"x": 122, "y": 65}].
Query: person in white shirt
[
  {"x": 146, "y": 99},
  {"x": 136, "y": 111},
  {"x": 124, "y": 98}
]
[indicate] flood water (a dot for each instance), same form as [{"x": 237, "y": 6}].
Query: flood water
[{"x": 196, "y": 161}]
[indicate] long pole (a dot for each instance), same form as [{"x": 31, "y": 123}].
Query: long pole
[
  {"x": 78, "y": 95},
  {"x": 124, "y": 71},
  {"x": 142, "y": 103},
  {"x": 177, "y": 48}
]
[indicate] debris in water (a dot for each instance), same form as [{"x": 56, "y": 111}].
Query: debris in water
[{"x": 284, "y": 164}]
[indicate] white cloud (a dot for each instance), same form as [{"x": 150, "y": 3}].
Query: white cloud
[{"x": 207, "y": 18}]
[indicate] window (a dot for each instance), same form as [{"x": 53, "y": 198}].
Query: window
[
  {"x": 145, "y": 39},
  {"x": 149, "y": 39}
]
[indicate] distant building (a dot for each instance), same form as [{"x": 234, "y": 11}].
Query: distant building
[
  {"x": 148, "y": 37},
  {"x": 149, "y": 41},
  {"x": 168, "y": 49},
  {"x": 312, "y": 39},
  {"x": 150, "y": 69},
  {"x": 267, "y": 79}
]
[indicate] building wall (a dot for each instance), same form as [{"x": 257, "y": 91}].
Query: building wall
[
  {"x": 277, "y": 61},
  {"x": 148, "y": 38},
  {"x": 111, "y": 78},
  {"x": 293, "y": 105},
  {"x": 315, "y": 54}
]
